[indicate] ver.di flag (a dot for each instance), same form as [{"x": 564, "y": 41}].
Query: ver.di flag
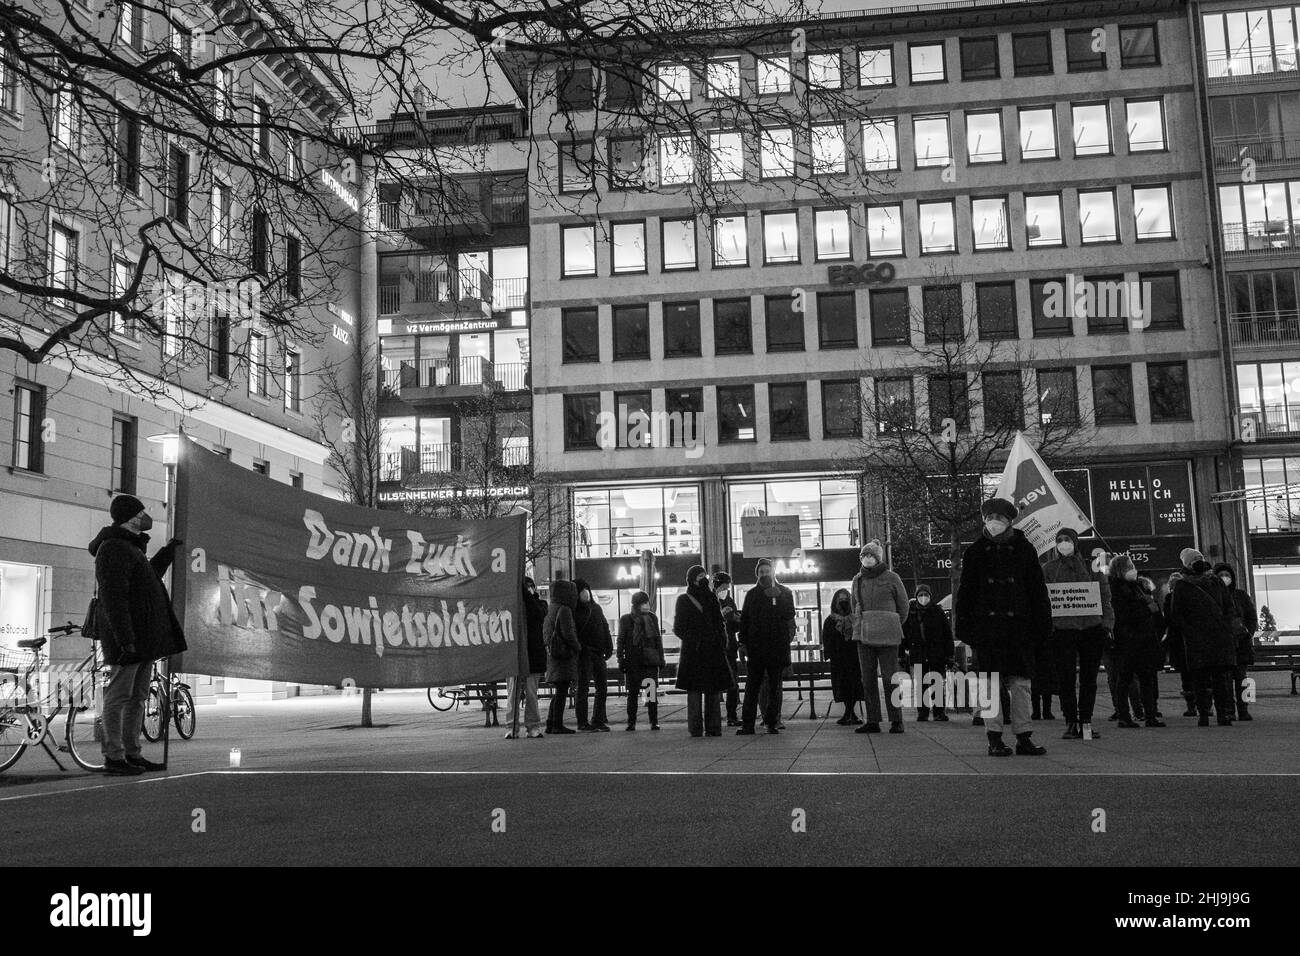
[
  {"x": 280, "y": 584},
  {"x": 1045, "y": 506}
]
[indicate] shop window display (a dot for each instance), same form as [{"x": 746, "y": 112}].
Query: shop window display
[
  {"x": 827, "y": 510},
  {"x": 621, "y": 522}
]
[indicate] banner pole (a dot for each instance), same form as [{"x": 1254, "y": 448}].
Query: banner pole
[
  {"x": 176, "y": 501},
  {"x": 519, "y": 695}
]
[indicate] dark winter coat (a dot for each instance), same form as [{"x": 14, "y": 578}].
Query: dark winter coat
[
  {"x": 841, "y": 650},
  {"x": 592, "y": 627},
  {"x": 134, "y": 608},
  {"x": 1076, "y": 569},
  {"x": 731, "y": 621},
  {"x": 1002, "y": 609},
  {"x": 703, "y": 665},
  {"x": 535, "y": 617},
  {"x": 767, "y": 624},
  {"x": 1246, "y": 613},
  {"x": 559, "y": 626},
  {"x": 1139, "y": 623},
  {"x": 928, "y": 635},
  {"x": 1202, "y": 613},
  {"x": 644, "y": 649}
]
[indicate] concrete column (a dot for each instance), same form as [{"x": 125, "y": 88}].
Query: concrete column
[{"x": 713, "y": 515}]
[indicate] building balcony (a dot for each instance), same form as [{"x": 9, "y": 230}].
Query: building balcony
[
  {"x": 479, "y": 208},
  {"x": 1235, "y": 69},
  {"x": 440, "y": 379},
  {"x": 1260, "y": 238},
  {"x": 450, "y": 293},
  {"x": 1273, "y": 421},
  {"x": 1264, "y": 330},
  {"x": 447, "y": 128},
  {"x": 1230, "y": 151},
  {"x": 412, "y": 463}
]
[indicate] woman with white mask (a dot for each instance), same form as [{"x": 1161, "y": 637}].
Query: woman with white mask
[{"x": 1078, "y": 639}]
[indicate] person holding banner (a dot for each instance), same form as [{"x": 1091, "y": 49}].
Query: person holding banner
[
  {"x": 1003, "y": 611},
  {"x": 562, "y": 650},
  {"x": 526, "y": 690},
  {"x": 640, "y": 655},
  {"x": 1079, "y": 632}
]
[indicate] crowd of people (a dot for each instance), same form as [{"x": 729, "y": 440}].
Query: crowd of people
[{"x": 1201, "y": 622}]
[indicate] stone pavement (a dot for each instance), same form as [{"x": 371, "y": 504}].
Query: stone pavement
[{"x": 322, "y": 733}]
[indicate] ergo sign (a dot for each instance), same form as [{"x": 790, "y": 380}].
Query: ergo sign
[{"x": 866, "y": 274}]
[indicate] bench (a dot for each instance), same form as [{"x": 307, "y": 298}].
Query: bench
[{"x": 1279, "y": 657}]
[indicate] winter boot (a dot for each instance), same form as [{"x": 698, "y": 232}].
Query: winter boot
[
  {"x": 1072, "y": 732},
  {"x": 1129, "y": 723},
  {"x": 922, "y": 714},
  {"x": 1047, "y": 710},
  {"x": 896, "y": 727},
  {"x": 653, "y": 711},
  {"x": 978, "y": 721},
  {"x": 1191, "y": 705},
  {"x": 1243, "y": 713},
  {"x": 1036, "y": 714},
  {"x": 940, "y": 715},
  {"x": 996, "y": 747},
  {"x": 1025, "y": 746}
]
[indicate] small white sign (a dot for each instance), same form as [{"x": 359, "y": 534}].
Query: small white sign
[
  {"x": 1076, "y": 599},
  {"x": 770, "y": 536}
]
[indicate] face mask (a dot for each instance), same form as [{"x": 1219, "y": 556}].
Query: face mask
[
  {"x": 723, "y": 592},
  {"x": 585, "y": 597},
  {"x": 1225, "y": 579},
  {"x": 996, "y": 526},
  {"x": 146, "y": 521},
  {"x": 765, "y": 580},
  {"x": 868, "y": 562},
  {"x": 1066, "y": 548},
  {"x": 923, "y": 600},
  {"x": 1130, "y": 575}
]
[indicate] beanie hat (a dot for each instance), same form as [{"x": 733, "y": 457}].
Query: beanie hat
[
  {"x": 720, "y": 578},
  {"x": 923, "y": 589},
  {"x": 1189, "y": 556},
  {"x": 873, "y": 548},
  {"x": 999, "y": 507},
  {"x": 758, "y": 568},
  {"x": 1224, "y": 568},
  {"x": 124, "y": 508},
  {"x": 639, "y": 598},
  {"x": 1120, "y": 565},
  {"x": 695, "y": 571},
  {"x": 1071, "y": 534}
]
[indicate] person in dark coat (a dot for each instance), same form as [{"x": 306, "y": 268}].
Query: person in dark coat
[
  {"x": 1201, "y": 608},
  {"x": 1137, "y": 653},
  {"x": 766, "y": 630},
  {"x": 135, "y": 625},
  {"x": 702, "y": 669},
  {"x": 1249, "y": 619},
  {"x": 597, "y": 648},
  {"x": 722, "y": 587},
  {"x": 1003, "y": 611},
  {"x": 927, "y": 639},
  {"x": 840, "y": 650},
  {"x": 526, "y": 690},
  {"x": 640, "y": 655},
  {"x": 1174, "y": 648},
  {"x": 562, "y": 650}
]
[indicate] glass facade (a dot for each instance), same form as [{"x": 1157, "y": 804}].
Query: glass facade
[{"x": 623, "y": 522}]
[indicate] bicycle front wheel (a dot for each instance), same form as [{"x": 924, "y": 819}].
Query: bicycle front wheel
[
  {"x": 439, "y": 701},
  {"x": 85, "y": 731},
  {"x": 153, "y": 718},
  {"x": 13, "y": 737},
  {"x": 183, "y": 713}
]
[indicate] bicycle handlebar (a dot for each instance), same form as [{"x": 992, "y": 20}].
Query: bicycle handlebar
[{"x": 65, "y": 628}]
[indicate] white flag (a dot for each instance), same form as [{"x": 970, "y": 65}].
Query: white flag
[{"x": 1045, "y": 506}]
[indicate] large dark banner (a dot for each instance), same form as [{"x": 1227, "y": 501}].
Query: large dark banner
[{"x": 284, "y": 585}]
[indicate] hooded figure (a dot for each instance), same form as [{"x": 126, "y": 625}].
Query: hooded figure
[
  {"x": 928, "y": 642},
  {"x": 702, "y": 670},
  {"x": 766, "y": 630},
  {"x": 722, "y": 587},
  {"x": 562, "y": 650},
  {"x": 597, "y": 647},
  {"x": 1139, "y": 624},
  {"x": 1245, "y": 634},
  {"x": 880, "y": 607},
  {"x": 1204, "y": 621},
  {"x": 640, "y": 655},
  {"x": 1078, "y": 641},
  {"x": 839, "y": 649},
  {"x": 526, "y": 689}
]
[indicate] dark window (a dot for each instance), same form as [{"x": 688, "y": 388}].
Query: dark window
[
  {"x": 1167, "y": 387},
  {"x": 842, "y": 409},
  {"x": 574, "y": 88},
  {"x": 941, "y": 306},
  {"x": 949, "y": 399},
  {"x": 128, "y": 153},
  {"x": 1004, "y": 401},
  {"x": 979, "y": 58},
  {"x": 895, "y": 405},
  {"x": 1083, "y": 51},
  {"x": 626, "y": 163},
  {"x": 784, "y": 325},
  {"x": 295, "y": 479},
  {"x": 736, "y": 413},
  {"x": 631, "y": 332},
  {"x": 788, "y": 410},
  {"x": 1106, "y": 303},
  {"x": 890, "y": 317},
  {"x": 995, "y": 304},
  {"x": 124, "y": 454},
  {"x": 133, "y": 29},
  {"x": 221, "y": 344},
  {"x": 293, "y": 265},
  {"x": 1032, "y": 53},
  {"x": 679, "y": 404},
  {"x": 581, "y": 414},
  {"x": 263, "y": 109},
  {"x": 621, "y": 89},
  {"x": 29, "y": 417},
  {"x": 1162, "y": 300},
  {"x": 580, "y": 329},
  {"x": 178, "y": 193},
  {"x": 1058, "y": 397},
  {"x": 837, "y": 321},
  {"x": 1139, "y": 46},
  {"x": 632, "y": 412},
  {"x": 1112, "y": 394},
  {"x": 261, "y": 467},
  {"x": 261, "y": 242},
  {"x": 732, "y": 328},
  {"x": 681, "y": 329},
  {"x": 1050, "y": 310}
]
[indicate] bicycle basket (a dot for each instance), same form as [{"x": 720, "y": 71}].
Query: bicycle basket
[{"x": 14, "y": 664}]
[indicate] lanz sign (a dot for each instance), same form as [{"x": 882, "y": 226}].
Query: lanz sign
[{"x": 866, "y": 274}]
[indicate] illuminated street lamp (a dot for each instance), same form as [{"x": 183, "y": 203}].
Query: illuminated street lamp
[{"x": 171, "y": 450}]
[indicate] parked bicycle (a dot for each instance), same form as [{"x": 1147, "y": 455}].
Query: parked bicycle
[
  {"x": 28, "y": 709},
  {"x": 179, "y": 704},
  {"x": 445, "y": 698}
]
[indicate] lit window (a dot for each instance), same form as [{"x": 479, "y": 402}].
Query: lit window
[
  {"x": 780, "y": 237},
  {"x": 776, "y": 152},
  {"x": 579, "y": 250},
  {"x": 880, "y": 143},
  {"x": 676, "y": 160},
  {"x": 876, "y": 66},
  {"x": 829, "y": 149},
  {"x": 831, "y": 227},
  {"x": 1038, "y": 133},
  {"x": 723, "y": 78},
  {"x": 1043, "y": 220},
  {"x": 629, "y": 247},
  {"x": 1092, "y": 130},
  {"x": 730, "y": 241},
  {"x": 989, "y": 220},
  {"x": 824, "y": 71},
  {"x": 726, "y": 159},
  {"x": 1152, "y": 212},
  {"x": 927, "y": 63},
  {"x": 884, "y": 230},
  {"x": 674, "y": 81},
  {"x": 774, "y": 75},
  {"x": 1097, "y": 216},
  {"x": 938, "y": 227},
  {"x": 1146, "y": 125},
  {"x": 984, "y": 137},
  {"x": 931, "y": 141}
]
